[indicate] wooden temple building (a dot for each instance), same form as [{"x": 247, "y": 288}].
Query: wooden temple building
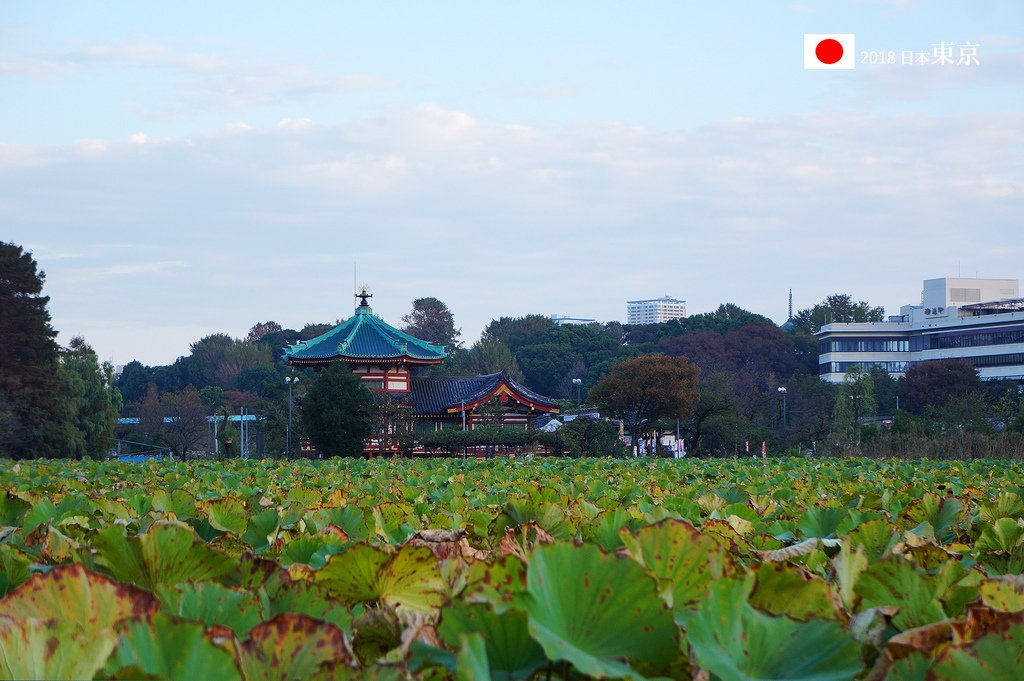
[{"x": 391, "y": 363}]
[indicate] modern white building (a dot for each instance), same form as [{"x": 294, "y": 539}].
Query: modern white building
[
  {"x": 566, "y": 320},
  {"x": 980, "y": 320},
  {"x": 654, "y": 310}
]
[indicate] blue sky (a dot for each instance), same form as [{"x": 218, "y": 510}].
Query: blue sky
[{"x": 180, "y": 169}]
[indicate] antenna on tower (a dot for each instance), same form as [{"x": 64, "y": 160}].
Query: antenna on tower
[{"x": 790, "y": 303}]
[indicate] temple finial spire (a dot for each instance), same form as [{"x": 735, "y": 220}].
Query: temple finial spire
[{"x": 363, "y": 295}]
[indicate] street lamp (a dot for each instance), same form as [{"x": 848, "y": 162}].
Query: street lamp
[
  {"x": 578, "y": 382},
  {"x": 292, "y": 381},
  {"x": 782, "y": 391}
]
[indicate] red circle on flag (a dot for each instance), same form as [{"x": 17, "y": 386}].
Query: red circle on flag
[{"x": 829, "y": 51}]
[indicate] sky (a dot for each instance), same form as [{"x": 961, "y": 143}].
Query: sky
[{"x": 180, "y": 169}]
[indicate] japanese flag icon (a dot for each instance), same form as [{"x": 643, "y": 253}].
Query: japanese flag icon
[{"x": 829, "y": 51}]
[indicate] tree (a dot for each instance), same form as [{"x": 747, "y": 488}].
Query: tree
[
  {"x": 338, "y": 412},
  {"x": 310, "y": 331},
  {"x": 592, "y": 437},
  {"x": 933, "y": 383},
  {"x": 855, "y": 400},
  {"x": 432, "y": 321},
  {"x": 188, "y": 426},
  {"x": 133, "y": 381},
  {"x": 95, "y": 402},
  {"x": 33, "y": 407},
  {"x": 151, "y": 413},
  {"x": 838, "y": 307},
  {"x": 641, "y": 390},
  {"x": 486, "y": 356},
  {"x": 516, "y": 332},
  {"x": 260, "y": 329}
]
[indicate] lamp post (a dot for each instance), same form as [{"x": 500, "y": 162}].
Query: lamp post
[
  {"x": 782, "y": 391},
  {"x": 291, "y": 381},
  {"x": 578, "y": 382}
]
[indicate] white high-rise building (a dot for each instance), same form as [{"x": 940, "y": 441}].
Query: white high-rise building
[{"x": 654, "y": 310}]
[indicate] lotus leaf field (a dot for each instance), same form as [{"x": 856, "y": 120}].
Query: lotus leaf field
[{"x": 509, "y": 569}]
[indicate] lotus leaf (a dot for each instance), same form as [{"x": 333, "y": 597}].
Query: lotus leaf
[
  {"x": 896, "y": 582},
  {"x": 735, "y": 642},
  {"x": 212, "y": 603},
  {"x": 995, "y": 657},
  {"x": 33, "y": 648},
  {"x": 167, "y": 648},
  {"x": 73, "y": 595},
  {"x": 509, "y": 651},
  {"x": 599, "y": 612},
  {"x": 293, "y": 648},
  {"x": 168, "y": 553},
  {"x": 683, "y": 561},
  {"x": 782, "y": 589}
]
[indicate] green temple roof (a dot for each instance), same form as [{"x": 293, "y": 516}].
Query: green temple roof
[{"x": 364, "y": 337}]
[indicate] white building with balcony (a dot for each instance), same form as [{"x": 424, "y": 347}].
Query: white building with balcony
[
  {"x": 980, "y": 320},
  {"x": 654, "y": 310}
]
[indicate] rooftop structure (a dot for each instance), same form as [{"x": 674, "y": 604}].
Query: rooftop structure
[
  {"x": 950, "y": 323},
  {"x": 654, "y": 310},
  {"x": 566, "y": 320}
]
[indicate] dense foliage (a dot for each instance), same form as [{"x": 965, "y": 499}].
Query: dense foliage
[
  {"x": 338, "y": 412},
  {"x": 512, "y": 569}
]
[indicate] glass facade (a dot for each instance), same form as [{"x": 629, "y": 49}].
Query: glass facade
[
  {"x": 843, "y": 367},
  {"x": 864, "y": 345},
  {"x": 967, "y": 339}
]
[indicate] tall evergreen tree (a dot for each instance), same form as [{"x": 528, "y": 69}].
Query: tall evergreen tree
[
  {"x": 338, "y": 412},
  {"x": 34, "y": 416},
  {"x": 94, "y": 401},
  {"x": 432, "y": 321}
]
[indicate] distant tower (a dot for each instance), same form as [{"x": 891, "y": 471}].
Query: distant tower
[{"x": 790, "y": 304}]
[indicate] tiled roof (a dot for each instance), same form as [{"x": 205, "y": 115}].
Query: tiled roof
[
  {"x": 432, "y": 395},
  {"x": 364, "y": 335}
]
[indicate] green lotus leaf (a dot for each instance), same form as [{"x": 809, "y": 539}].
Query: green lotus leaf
[
  {"x": 599, "y": 612},
  {"x": 212, "y": 603},
  {"x": 293, "y": 648},
  {"x": 782, "y": 589},
  {"x": 994, "y": 657},
  {"x": 876, "y": 536},
  {"x": 228, "y": 514},
  {"x": 941, "y": 513},
  {"x": 822, "y": 522},
  {"x": 684, "y": 561},
  {"x": 351, "y": 576},
  {"x": 408, "y": 579},
  {"x": 14, "y": 569},
  {"x": 496, "y": 583},
  {"x": 472, "y": 662},
  {"x": 307, "y": 598},
  {"x": 312, "y": 550},
  {"x": 548, "y": 516},
  {"x": 896, "y": 582},
  {"x": 1004, "y": 535},
  {"x": 168, "y": 553},
  {"x": 377, "y": 631},
  {"x": 12, "y": 509},
  {"x": 735, "y": 642},
  {"x": 391, "y": 521},
  {"x": 161, "y": 646},
  {"x": 73, "y": 595},
  {"x": 913, "y": 667},
  {"x": 606, "y": 530},
  {"x": 34, "y": 648},
  {"x": 510, "y": 652},
  {"x": 350, "y": 519},
  {"x": 1003, "y": 594},
  {"x": 178, "y": 501},
  {"x": 262, "y": 531},
  {"x": 1005, "y": 505}
]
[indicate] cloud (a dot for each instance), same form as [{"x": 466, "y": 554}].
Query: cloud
[
  {"x": 202, "y": 80},
  {"x": 491, "y": 218}
]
